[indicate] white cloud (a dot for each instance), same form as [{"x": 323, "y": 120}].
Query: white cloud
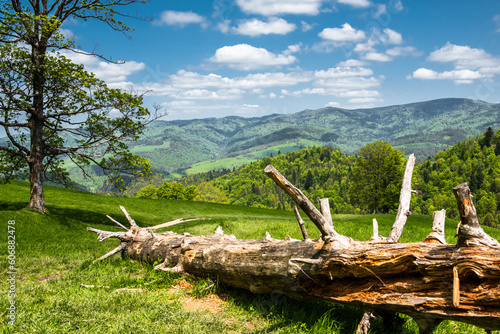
[
  {"x": 458, "y": 76},
  {"x": 391, "y": 37},
  {"x": 344, "y": 34},
  {"x": 376, "y": 56},
  {"x": 359, "y": 93},
  {"x": 381, "y": 9},
  {"x": 356, "y": 3},
  {"x": 246, "y": 57},
  {"x": 204, "y": 94},
  {"x": 293, "y": 49},
  {"x": 451, "y": 52},
  {"x": 469, "y": 64},
  {"x": 343, "y": 72},
  {"x": 398, "y": 5},
  {"x": 224, "y": 26},
  {"x": 352, "y": 62},
  {"x": 306, "y": 26},
  {"x": 275, "y": 7},
  {"x": 109, "y": 72},
  {"x": 250, "y": 106},
  {"x": 174, "y": 18},
  {"x": 363, "y": 100},
  {"x": 255, "y": 27},
  {"x": 333, "y": 104}
]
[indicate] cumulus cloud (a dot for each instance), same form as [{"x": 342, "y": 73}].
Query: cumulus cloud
[
  {"x": 175, "y": 18},
  {"x": 469, "y": 64},
  {"x": 377, "y": 56},
  {"x": 356, "y": 3},
  {"x": 391, "y": 37},
  {"x": 344, "y": 34},
  {"x": 109, "y": 72},
  {"x": 458, "y": 76},
  {"x": 273, "y": 25},
  {"x": 275, "y": 7},
  {"x": 246, "y": 57},
  {"x": 463, "y": 56}
]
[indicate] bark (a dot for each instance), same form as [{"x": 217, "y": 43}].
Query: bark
[
  {"x": 36, "y": 125},
  {"x": 429, "y": 281}
]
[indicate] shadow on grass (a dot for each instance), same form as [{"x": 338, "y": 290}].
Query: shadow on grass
[
  {"x": 282, "y": 311},
  {"x": 13, "y": 206},
  {"x": 85, "y": 216}
]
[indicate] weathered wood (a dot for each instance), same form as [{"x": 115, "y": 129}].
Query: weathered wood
[
  {"x": 324, "y": 208},
  {"x": 328, "y": 233},
  {"x": 404, "y": 202},
  {"x": 415, "y": 279},
  {"x": 437, "y": 230},
  {"x": 301, "y": 224},
  {"x": 469, "y": 231},
  {"x": 365, "y": 323}
]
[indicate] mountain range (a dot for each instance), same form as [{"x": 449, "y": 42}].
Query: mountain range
[{"x": 424, "y": 128}]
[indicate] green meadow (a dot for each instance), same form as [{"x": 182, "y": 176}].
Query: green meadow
[{"x": 59, "y": 291}]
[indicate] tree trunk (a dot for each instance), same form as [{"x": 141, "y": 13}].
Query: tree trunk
[
  {"x": 428, "y": 281},
  {"x": 36, "y": 125},
  {"x": 37, "y": 197}
]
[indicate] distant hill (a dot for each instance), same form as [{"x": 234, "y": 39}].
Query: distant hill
[{"x": 422, "y": 128}]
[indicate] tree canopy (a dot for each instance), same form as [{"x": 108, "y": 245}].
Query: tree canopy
[
  {"x": 376, "y": 179},
  {"x": 53, "y": 109}
]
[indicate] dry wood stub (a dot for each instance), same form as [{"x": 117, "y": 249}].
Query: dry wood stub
[{"x": 428, "y": 281}]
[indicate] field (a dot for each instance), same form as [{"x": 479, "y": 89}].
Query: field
[{"x": 59, "y": 291}]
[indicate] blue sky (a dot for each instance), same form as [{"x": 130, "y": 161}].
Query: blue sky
[{"x": 215, "y": 58}]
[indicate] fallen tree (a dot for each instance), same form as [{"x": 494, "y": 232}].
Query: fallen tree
[{"x": 430, "y": 281}]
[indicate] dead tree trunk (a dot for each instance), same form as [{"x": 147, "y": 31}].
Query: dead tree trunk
[{"x": 429, "y": 281}]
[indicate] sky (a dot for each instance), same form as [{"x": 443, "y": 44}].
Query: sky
[{"x": 250, "y": 58}]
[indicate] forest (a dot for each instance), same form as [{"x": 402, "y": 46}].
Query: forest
[{"x": 327, "y": 172}]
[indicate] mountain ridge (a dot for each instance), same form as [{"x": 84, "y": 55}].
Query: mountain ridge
[{"x": 422, "y": 127}]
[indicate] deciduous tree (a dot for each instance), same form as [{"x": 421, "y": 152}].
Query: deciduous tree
[
  {"x": 377, "y": 177},
  {"x": 51, "y": 108}
]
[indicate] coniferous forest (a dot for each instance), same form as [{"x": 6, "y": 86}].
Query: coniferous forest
[{"x": 327, "y": 172}]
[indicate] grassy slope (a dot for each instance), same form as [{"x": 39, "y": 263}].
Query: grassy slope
[{"x": 53, "y": 253}]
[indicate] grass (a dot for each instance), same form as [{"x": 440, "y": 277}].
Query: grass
[{"x": 54, "y": 251}]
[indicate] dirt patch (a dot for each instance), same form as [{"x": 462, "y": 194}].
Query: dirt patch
[
  {"x": 181, "y": 285},
  {"x": 51, "y": 276},
  {"x": 211, "y": 302}
]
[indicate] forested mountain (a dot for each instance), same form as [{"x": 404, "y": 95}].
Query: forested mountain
[
  {"x": 423, "y": 128},
  {"x": 326, "y": 172},
  {"x": 177, "y": 148}
]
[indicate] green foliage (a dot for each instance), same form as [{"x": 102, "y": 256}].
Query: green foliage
[
  {"x": 168, "y": 190},
  {"x": 473, "y": 161},
  {"x": 148, "y": 191},
  {"x": 329, "y": 172},
  {"x": 206, "y": 192},
  {"x": 377, "y": 176},
  {"x": 171, "y": 190}
]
